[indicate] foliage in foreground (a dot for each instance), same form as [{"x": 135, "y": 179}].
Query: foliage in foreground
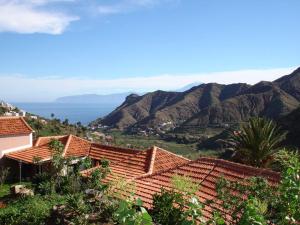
[
  {"x": 132, "y": 212},
  {"x": 257, "y": 142},
  {"x": 266, "y": 204},
  {"x": 89, "y": 201},
  {"x": 178, "y": 206},
  {"x": 30, "y": 210}
]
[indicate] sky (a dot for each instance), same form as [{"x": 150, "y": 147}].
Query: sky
[{"x": 54, "y": 48}]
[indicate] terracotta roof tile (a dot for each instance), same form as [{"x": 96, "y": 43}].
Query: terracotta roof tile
[
  {"x": 77, "y": 147},
  {"x": 74, "y": 146},
  {"x": 125, "y": 163},
  {"x": 131, "y": 163},
  {"x": 165, "y": 160},
  {"x": 46, "y": 140},
  {"x": 14, "y": 126},
  {"x": 204, "y": 171},
  {"x": 111, "y": 153}
]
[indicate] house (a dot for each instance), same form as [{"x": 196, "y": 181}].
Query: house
[
  {"x": 22, "y": 113},
  {"x": 150, "y": 170},
  {"x": 74, "y": 147},
  {"x": 204, "y": 171},
  {"x": 15, "y": 135},
  {"x": 22, "y": 154},
  {"x": 19, "y": 152},
  {"x": 130, "y": 164}
]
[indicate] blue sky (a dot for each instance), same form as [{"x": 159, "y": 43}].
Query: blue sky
[{"x": 120, "y": 42}]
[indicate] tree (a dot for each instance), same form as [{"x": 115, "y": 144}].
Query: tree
[
  {"x": 66, "y": 122},
  {"x": 52, "y": 115},
  {"x": 58, "y": 163},
  {"x": 257, "y": 201},
  {"x": 257, "y": 142}
]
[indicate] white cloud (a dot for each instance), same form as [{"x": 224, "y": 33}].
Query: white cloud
[
  {"x": 28, "y": 16},
  {"x": 22, "y": 88},
  {"x": 129, "y": 5}
]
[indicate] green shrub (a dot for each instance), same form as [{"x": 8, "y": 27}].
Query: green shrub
[
  {"x": 77, "y": 208},
  {"x": 29, "y": 211},
  {"x": 265, "y": 204},
  {"x": 131, "y": 212},
  {"x": 180, "y": 205},
  {"x": 164, "y": 210}
]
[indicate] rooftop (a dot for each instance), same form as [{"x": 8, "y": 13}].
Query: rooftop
[
  {"x": 74, "y": 147},
  {"x": 14, "y": 126},
  {"x": 131, "y": 163},
  {"x": 204, "y": 171}
]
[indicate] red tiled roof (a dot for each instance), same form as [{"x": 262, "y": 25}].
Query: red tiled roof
[
  {"x": 124, "y": 162},
  {"x": 111, "y": 153},
  {"x": 77, "y": 147},
  {"x": 74, "y": 146},
  {"x": 46, "y": 140},
  {"x": 165, "y": 160},
  {"x": 131, "y": 163},
  {"x": 14, "y": 126},
  {"x": 204, "y": 171}
]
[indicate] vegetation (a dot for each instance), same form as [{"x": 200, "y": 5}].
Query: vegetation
[
  {"x": 4, "y": 171},
  {"x": 180, "y": 205},
  {"x": 69, "y": 198},
  {"x": 132, "y": 212},
  {"x": 257, "y": 142},
  {"x": 30, "y": 210},
  {"x": 2, "y": 110},
  {"x": 266, "y": 203},
  {"x": 142, "y": 142},
  {"x": 45, "y": 127}
]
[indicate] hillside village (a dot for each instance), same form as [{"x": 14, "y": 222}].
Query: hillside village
[{"x": 117, "y": 172}]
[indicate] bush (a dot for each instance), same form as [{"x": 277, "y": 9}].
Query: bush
[
  {"x": 265, "y": 204},
  {"x": 131, "y": 212},
  {"x": 164, "y": 211},
  {"x": 29, "y": 211},
  {"x": 180, "y": 205},
  {"x": 4, "y": 172}
]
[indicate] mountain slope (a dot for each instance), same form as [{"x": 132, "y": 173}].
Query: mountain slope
[
  {"x": 291, "y": 123},
  {"x": 208, "y": 104}
]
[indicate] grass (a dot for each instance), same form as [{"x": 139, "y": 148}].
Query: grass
[
  {"x": 141, "y": 142},
  {"x": 5, "y": 188}
]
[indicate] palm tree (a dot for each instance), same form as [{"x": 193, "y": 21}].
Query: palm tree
[{"x": 257, "y": 142}]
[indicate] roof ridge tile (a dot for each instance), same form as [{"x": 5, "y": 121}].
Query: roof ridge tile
[
  {"x": 152, "y": 159},
  {"x": 230, "y": 163},
  {"x": 171, "y": 153}
]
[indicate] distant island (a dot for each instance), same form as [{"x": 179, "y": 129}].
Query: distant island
[{"x": 117, "y": 98}]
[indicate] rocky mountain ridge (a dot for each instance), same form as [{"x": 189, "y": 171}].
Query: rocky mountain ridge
[{"x": 205, "y": 105}]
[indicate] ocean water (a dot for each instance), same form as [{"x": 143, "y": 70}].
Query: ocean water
[{"x": 74, "y": 112}]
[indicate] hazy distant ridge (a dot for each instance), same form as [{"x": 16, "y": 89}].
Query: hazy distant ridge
[{"x": 94, "y": 98}]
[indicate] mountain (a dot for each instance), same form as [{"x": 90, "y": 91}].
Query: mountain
[
  {"x": 115, "y": 99},
  {"x": 187, "y": 87},
  {"x": 291, "y": 123},
  {"x": 206, "y": 105}
]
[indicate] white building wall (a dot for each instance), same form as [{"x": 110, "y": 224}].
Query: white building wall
[{"x": 14, "y": 143}]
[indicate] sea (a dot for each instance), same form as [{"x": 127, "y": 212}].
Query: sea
[{"x": 74, "y": 112}]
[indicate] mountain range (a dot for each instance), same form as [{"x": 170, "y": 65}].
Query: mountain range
[
  {"x": 206, "y": 105},
  {"x": 113, "y": 99}
]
